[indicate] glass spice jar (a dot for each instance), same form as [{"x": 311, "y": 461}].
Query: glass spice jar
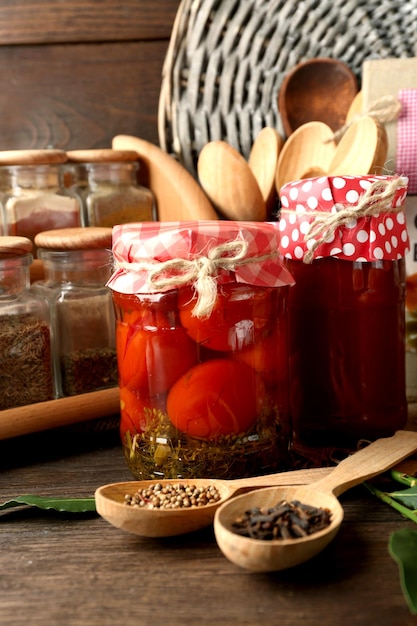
[
  {"x": 32, "y": 196},
  {"x": 107, "y": 182},
  {"x": 25, "y": 338},
  {"x": 201, "y": 341},
  {"x": 344, "y": 239},
  {"x": 77, "y": 266}
]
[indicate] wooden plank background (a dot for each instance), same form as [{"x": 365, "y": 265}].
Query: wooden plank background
[{"x": 74, "y": 73}]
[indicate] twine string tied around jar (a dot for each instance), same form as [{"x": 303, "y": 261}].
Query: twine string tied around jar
[
  {"x": 201, "y": 272},
  {"x": 386, "y": 109},
  {"x": 377, "y": 198}
]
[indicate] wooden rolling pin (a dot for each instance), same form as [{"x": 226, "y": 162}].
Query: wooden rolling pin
[{"x": 33, "y": 418}]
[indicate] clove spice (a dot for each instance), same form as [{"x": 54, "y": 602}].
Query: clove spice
[{"x": 286, "y": 520}]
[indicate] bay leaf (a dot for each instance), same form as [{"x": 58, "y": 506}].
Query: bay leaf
[
  {"x": 62, "y": 505},
  {"x": 408, "y": 497}
]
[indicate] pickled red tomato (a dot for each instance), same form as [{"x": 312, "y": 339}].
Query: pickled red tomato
[
  {"x": 218, "y": 397},
  {"x": 264, "y": 357},
  {"x": 151, "y": 359},
  {"x": 132, "y": 412},
  {"x": 239, "y": 317}
]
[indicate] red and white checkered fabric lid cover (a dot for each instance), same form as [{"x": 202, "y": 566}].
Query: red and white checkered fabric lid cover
[
  {"x": 367, "y": 238},
  {"x": 406, "y": 158},
  {"x": 156, "y": 242}
]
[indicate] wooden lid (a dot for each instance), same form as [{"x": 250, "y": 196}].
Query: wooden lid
[
  {"x": 82, "y": 238},
  {"x": 32, "y": 157},
  {"x": 101, "y": 155},
  {"x": 14, "y": 246}
]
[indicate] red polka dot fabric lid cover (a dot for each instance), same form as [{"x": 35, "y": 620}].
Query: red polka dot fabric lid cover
[
  {"x": 141, "y": 249},
  {"x": 367, "y": 238}
]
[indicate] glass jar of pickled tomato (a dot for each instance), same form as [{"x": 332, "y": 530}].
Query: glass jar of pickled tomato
[
  {"x": 344, "y": 240},
  {"x": 201, "y": 344}
]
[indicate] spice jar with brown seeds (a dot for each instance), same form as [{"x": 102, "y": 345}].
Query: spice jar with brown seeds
[
  {"x": 107, "y": 182},
  {"x": 25, "y": 338},
  {"x": 77, "y": 265}
]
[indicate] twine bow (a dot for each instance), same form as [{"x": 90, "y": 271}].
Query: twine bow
[
  {"x": 385, "y": 109},
  {"x": 377, "y": 198},
  {"x": 201, "y": 272}
]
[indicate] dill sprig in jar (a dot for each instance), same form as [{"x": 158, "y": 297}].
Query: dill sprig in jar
[
  {"x": 25, "y": 338},
  {"x": 201, "y": 342},
  {"x": 77, "y": 266},
  {"x": 107, "y": 182},
  {"x": 344, "y": 239}
]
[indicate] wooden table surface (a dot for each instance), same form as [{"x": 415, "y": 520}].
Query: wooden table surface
[{"x": 58, "y": 569}]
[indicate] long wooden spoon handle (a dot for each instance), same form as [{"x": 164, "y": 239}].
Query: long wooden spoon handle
[{"x": 376, "y": 458}]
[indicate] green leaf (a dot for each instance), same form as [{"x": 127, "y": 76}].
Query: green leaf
[
  {"x": 403, "y": 549},
  {"x": 388, "y": 499},
  {"x": 63, "y": 505},
  {"x": 408, "y": 497}
]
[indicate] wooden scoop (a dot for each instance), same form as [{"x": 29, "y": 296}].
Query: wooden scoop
[
  {"x": 266, "y": 556},
  {"x": 362, "y": 150},
  {"x": 178, "y": 195},
  {"x": 169, "y": 522},
  {"x": 263, "y": 161},
  {"x": 320, "y": 89},
  {"x": 229, "y": 182},
  {"x": 310, "y": 148}
]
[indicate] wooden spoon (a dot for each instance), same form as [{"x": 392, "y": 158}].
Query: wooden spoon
[
  {"x": 355, "y": 108},
  {"x": 266, "y": 556},
  {"x": 178, "y": 195},
  {"x": 229, "y": 182},
  {"x": 319, "y": 89},
  {"x": 169, "y": 522},
  {"x": 362, "y": 150},
  {"x": 263, "y": 160},
  {"x": 310, "y": 148}
]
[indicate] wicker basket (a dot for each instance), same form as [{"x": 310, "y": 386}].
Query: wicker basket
[{"x": 227, "y": 58}]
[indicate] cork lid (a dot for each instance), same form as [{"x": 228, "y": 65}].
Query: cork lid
[
  {"x": 32, "y": 157},
  {"x": 14, "y": 246},
  {"x": 101, "y": 155},
  {"x": 82, "y": 238}
]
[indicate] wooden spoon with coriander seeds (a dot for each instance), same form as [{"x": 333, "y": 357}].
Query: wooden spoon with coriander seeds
[
  {"x": 166, "y": 522},
  {"x": 259, "y": 555},
  {"x": 163, "y": 522}
]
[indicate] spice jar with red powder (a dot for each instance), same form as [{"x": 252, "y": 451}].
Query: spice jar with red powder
[
  {"x": 33, "y": 198},
  {"x": 201, "y": 343},
  {"x": 344, "y": 239}
]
